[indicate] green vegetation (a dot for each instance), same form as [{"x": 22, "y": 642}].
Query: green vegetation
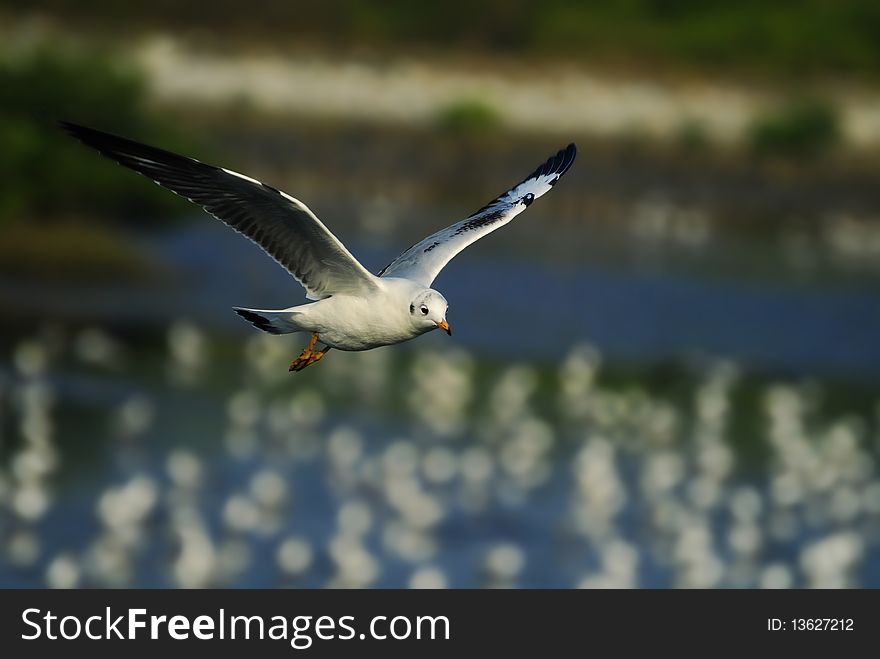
[
  {"x": 468, "y": 116},
  {"x": 47, "y": 175},
  {"x": 800, "y": 129},
  {"x": 66, "y": 250},
  {"x": 784, "y": 38},
  {"x": 692, "y": 136}
]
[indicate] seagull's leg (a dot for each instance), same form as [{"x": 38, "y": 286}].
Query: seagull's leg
[
  {"x": 303, "y": 360},
  {"x": 317, "y": 356},
  {"x": 311, "y": 359}
]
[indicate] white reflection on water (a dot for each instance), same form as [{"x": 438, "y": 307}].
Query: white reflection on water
[{"x": 423, "y": 469}]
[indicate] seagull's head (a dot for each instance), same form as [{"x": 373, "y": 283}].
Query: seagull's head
[{"x": 427, "y": 311}]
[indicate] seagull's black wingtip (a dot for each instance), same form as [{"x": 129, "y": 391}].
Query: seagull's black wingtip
[
  {"x": 565, "y": 158},
  {"x": 557, "y": 164},
  {"x": 88, "y": 136},
  {"x": 71, "y": 128},
  {"x": 92, "y": 136}
]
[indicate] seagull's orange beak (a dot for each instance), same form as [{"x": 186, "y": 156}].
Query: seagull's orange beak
[{"x": 444, "y": 326}]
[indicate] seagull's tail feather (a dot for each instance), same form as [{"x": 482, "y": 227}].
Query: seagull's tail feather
[{"x": 273, "y": 322}]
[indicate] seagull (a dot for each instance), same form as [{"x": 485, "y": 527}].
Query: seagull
[{"x": 351, "y": 309}]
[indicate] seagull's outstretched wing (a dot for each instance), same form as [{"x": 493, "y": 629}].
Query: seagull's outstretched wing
[
  {"x": 283, "y": 226},
  {"x": 423, "y": 261}
]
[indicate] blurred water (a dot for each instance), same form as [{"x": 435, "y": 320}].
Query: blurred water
[
  {"x": 504, "y": 306},
  {"x": 502, "y": 457},
  {"x": 381, "y": 470}
]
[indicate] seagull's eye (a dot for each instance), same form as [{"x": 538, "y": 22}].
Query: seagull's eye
[{"x": 424, "y": 310}]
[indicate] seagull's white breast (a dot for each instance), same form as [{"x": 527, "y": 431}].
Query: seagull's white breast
[{"x": 363, "y": 322}]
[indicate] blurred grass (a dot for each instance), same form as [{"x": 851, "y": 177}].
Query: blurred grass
[
  {"x": 692, "y": 136},
  {"x": 469, "y": 115},
  {"x": 802, "y": 128},
  {"x": 786, "y": 38},
  {"x": 69, "y": 250},
  {"x": 45, "y": 174}
]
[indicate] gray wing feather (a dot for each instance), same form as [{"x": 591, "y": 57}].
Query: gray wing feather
[
  {"x": 423, "y": 261},
  {"x": 283, "y": 226}
]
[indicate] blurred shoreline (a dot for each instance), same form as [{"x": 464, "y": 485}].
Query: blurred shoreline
[
  {"x": 559, "y": 99},
  {"x": 561, "y": 96}
]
